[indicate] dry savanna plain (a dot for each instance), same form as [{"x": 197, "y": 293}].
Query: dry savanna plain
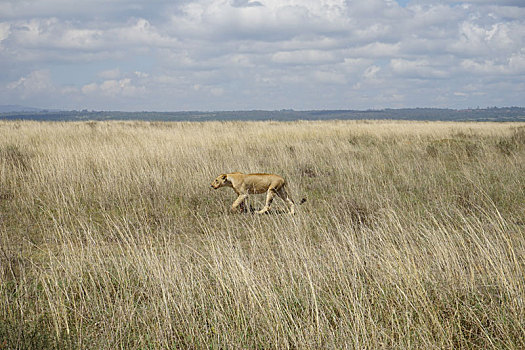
[{"x": 412, "y": 236}]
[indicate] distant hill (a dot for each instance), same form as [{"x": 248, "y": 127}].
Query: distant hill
[
  {"x": 429, "y": 114},
  {"x": 17, "y": 108}
]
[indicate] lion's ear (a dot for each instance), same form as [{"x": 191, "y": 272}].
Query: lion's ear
[{"x": 224, "y": 176}]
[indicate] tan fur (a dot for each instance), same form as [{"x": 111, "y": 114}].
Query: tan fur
[{"x": 245, "y": 184}]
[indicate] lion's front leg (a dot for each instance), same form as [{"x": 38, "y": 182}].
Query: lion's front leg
[
  {"x": 243, "y": 208},
  {"x": 239, "y": 202}
]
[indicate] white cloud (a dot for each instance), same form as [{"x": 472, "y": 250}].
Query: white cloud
[
  {"x": 517, "y": 62},
  {"x": 420, "y": 68},
  {"x": 51, "y": 33},
  {"x": 141, "y": 74},
  {"x": 515, "y": 65},
  {"x": 271, "y": 21},
  {"x": 371, "y": 72},
  {"x": 112, "y": 88},
  {"x": 478, "y": 40},
  {"x": 4, "y": 31},
  {"x": 208, "y": 54},
  {"x": 375, "y": 50},
  {"x": 301, "y": 57},
  {"x": 48, "y": 35},
  {"x": 217, "y": 91},
  {"x": 90, "y": 88},
  {"x": 487, "y": 2},
  {"x": 142, "y": 32},
  {"x": 329, "y": 77},
  {"x": 110, "y": 73},
  {"x": 36, "y": 82}
]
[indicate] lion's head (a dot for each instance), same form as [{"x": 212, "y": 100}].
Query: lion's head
[{"x": 220, "y": 181}]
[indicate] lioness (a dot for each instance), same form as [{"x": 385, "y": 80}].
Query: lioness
[{"x": 245, "y": 184}]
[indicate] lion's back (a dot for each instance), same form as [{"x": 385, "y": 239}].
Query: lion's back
[{"x": 260, "y": 182}]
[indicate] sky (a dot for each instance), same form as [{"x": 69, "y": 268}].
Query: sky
[{"x": 205, "y": 55}]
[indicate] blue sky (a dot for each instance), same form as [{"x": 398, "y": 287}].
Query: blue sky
[{"x": 261, "y": 54}]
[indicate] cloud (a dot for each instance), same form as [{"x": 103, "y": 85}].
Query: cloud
[
  {"x": 518, "y": 3},
  {"x": 329, "y": 77},
  {"x": 82, "y": 10},
  {"x": 36, "y": 82},
  {"x": 515, "y": 65},
  {"x": 56, "y": 39},
  {"x": 110, "y": 73},
  {"x": 474, "y": 39},
  {"x": 301, "y": 57},
  {"x": 245, "y": 54},
  {"x": 4, "y": 31},
  {"x": 375, "y": 50},
  {"x": 125, "y": 87},
  {"x": 271, "y": 20},
  {"x": 419, "y": 68},
  {"x": 371, "y": 72}
]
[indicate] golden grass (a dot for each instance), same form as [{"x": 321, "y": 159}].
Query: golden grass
[{"x": 413, "y": 236}]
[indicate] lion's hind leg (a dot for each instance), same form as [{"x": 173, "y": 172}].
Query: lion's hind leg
[
  {"x": 283, "y": 194},
  {"x": 269, "y": 198}
]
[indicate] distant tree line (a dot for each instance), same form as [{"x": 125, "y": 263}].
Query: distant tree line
[{"x": 429, "y": 114}]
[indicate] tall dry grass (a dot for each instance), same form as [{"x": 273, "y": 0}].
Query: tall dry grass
[{"x": 412, "y": 236}]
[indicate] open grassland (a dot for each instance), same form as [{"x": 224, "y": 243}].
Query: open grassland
[{"x": 413, "y": 236}]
